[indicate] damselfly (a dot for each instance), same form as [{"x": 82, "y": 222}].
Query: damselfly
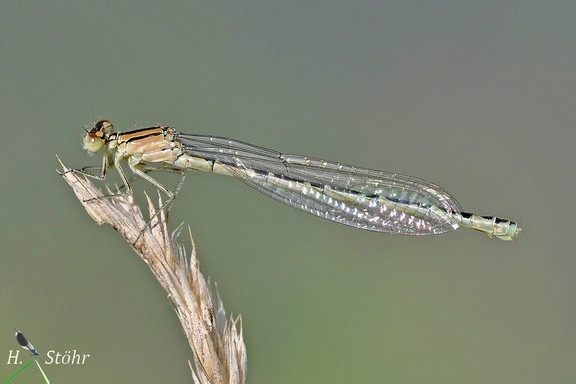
[
  {"x": 363, "y": 198},
  {"x": 24, "y": 343}
]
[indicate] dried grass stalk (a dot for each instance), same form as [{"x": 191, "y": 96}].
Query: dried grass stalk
[{"x": 217, "y": 343}]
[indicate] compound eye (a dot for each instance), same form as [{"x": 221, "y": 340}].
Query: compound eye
[{"x": 93, "y": 142}]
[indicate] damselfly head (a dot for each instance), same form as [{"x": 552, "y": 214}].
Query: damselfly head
[{"x": 96, "y": 137}]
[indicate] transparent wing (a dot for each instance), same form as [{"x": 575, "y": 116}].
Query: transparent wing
[{"x": 362, "y": 198}]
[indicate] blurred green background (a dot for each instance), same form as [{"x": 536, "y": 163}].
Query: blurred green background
[{"x": 477, "y": 97}]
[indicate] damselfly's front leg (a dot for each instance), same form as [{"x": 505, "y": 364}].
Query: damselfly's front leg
[
  {"x": 106, "y": 165},
  {"x": 88, "y": 170},
  {"x": 99, "y": 172}
]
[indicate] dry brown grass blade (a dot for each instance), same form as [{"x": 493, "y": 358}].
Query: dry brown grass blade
[{"x": 217, "y": 343}]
